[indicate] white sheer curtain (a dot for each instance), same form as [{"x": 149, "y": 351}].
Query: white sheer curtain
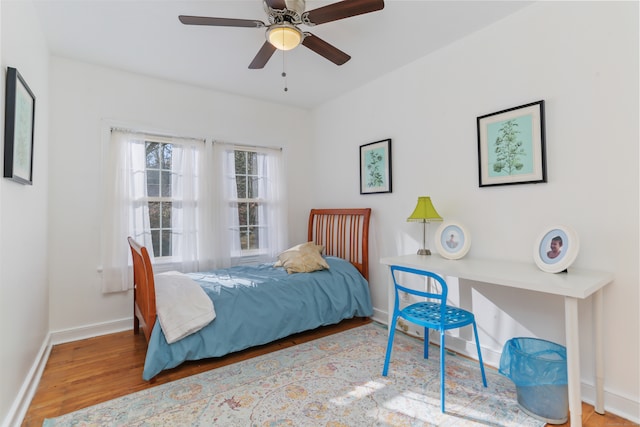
[
  {"x": 223, "y": 190},
  {"x": 126, "y": 212},
  {"x": 272, "y": 190},
  {"x": 187, "y": 215},
  {"x": 126, "y": 209}
]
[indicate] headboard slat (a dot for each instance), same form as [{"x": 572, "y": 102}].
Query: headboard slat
[{"x": 344, "y": 233}]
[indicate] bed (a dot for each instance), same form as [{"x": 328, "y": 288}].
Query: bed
[{"x": 258, "y": 304}]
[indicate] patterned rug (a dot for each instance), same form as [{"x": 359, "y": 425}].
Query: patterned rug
[{"x": 333, "y": 381}]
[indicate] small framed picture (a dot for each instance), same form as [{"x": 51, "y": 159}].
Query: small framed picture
[
  {"x": 452, "y": 240},
  {"x": 19, "y": 120},
  {"x": 556, "y": 249},
  {"x": 511, "y": 146},
  {"x": 375, "y": 167}
]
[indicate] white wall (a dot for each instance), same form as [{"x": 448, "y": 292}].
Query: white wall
[
  {"x": 84, "y": 99},
  {"x": 582, "y": 59},
  {"x": 24, "y": 295}
]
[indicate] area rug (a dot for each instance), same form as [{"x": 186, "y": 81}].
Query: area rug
[{"x": 333, "y": 381}]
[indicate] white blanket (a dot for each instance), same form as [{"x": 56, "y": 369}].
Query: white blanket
[{"x": 182, "y": 305}]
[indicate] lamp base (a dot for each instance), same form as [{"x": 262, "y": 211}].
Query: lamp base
[{"x": 424, "y": 252}]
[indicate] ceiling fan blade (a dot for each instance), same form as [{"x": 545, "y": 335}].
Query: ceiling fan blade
[
  {"x": 220, "y": 22},
  {"x": 263, "y": 56},
  {"x": 276, "y": 4},
  {"x": 341, "y": 10},
  {"x": 323, "y": 48}
]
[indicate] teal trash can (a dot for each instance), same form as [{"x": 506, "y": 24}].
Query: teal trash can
[{"x": 538, "y": 368}]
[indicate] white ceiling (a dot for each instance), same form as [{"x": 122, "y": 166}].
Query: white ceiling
[{"x": 145, "y": 36}]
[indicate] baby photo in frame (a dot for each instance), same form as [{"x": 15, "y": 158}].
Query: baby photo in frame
[
  {"x": 556, "y": 249},
  {"x": 452, "y": 240}
]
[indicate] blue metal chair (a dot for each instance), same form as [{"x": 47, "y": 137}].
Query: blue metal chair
[{"x": 432, "y": 313}]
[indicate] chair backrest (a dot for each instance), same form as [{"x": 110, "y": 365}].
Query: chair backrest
[{"x": 437, "y": 293}]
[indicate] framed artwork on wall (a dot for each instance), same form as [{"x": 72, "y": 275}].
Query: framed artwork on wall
[
  {"x": 511, "y": 146},
  {"x": 375, "y": 167},
  {"x": 452, "y": 240},
  {"x": 556, "y": 249},
  {"x": 20, "y": 105}
]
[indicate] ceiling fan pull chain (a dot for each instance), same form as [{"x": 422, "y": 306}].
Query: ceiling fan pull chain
[{"x": 284, "y": 74}]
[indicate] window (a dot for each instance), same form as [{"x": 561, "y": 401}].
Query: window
[
  {"x": 248, "y": 202},
  {"x": 196, "y": 205},
  {"x": 253, "y": 211},
  {"x": 159, "y": 196}
]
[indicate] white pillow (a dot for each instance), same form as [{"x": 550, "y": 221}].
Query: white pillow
[{"x": 183, "y": 307}]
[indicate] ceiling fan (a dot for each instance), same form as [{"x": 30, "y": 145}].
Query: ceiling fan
[{"x": 284, "y": 18}]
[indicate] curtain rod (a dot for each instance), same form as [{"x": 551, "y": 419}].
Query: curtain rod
[
  {"x": 161, "y": 135},
  {"x": 152, "y": 134},
  {"x": 259, "y": 147}
]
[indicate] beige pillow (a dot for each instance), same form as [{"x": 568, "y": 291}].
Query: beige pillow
[
  {"x": 301, "y": 246},
  {"x": 302, "y": 258}
]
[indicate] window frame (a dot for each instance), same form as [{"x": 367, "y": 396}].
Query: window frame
[
  {"x": 163, "y": 259},
  {"x": 249, "y": 254}
]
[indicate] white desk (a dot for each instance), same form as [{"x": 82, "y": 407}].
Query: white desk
[{"x": 574, "y": 285}]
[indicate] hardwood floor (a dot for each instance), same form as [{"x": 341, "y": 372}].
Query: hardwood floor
[{"x": 87, "y": 372}]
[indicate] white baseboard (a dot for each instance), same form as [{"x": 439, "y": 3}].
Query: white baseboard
[
  {"x": 28, "y": 389},
  {"x": 622, "y": 406},
  {"x": 89, "y": 331},
  {"x": 380, "y": 316},
  {"x": 29, "y": 386}
]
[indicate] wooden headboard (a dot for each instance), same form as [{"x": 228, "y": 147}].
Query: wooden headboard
[{"x": 344, "y": 233}]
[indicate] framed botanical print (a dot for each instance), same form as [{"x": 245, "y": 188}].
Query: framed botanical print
[
  {"x": 375, "y": 167},
  {"x": 511, "y": 146},
  {"x": 19, "y": 122}
]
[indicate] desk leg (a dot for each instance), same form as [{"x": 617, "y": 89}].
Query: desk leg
[
  {"x": 391, "y": 296},
  {"x": 573, "y": 360},
  {"x": 599, "y": 350}
]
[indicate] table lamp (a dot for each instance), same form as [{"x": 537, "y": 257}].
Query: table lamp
[{"x": 425, "y": 213}]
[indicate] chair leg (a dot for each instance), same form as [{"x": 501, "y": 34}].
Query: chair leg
[
  {"x": 387, "y": 358},
  {"x": 442, "y": 371},
  {"x": 426, "y": 342},
  {"x": 475, "y": 333}
]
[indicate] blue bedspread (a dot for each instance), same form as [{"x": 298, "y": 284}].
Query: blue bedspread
[{"x": 259, "y": 304}]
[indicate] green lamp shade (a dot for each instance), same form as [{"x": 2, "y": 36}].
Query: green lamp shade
[{"x": 424, "y": 211}]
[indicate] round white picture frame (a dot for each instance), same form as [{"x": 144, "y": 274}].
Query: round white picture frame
[
  {"x": 452, "y": 240},
  {"x": 556, "y": 249}
]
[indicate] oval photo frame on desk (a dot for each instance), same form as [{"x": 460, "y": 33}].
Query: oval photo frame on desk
[
  {"x": 556, "y": 249},
  {"x": 452, "y": 240}
]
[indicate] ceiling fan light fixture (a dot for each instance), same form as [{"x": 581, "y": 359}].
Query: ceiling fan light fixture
[{"x": 284, "y": 36}]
